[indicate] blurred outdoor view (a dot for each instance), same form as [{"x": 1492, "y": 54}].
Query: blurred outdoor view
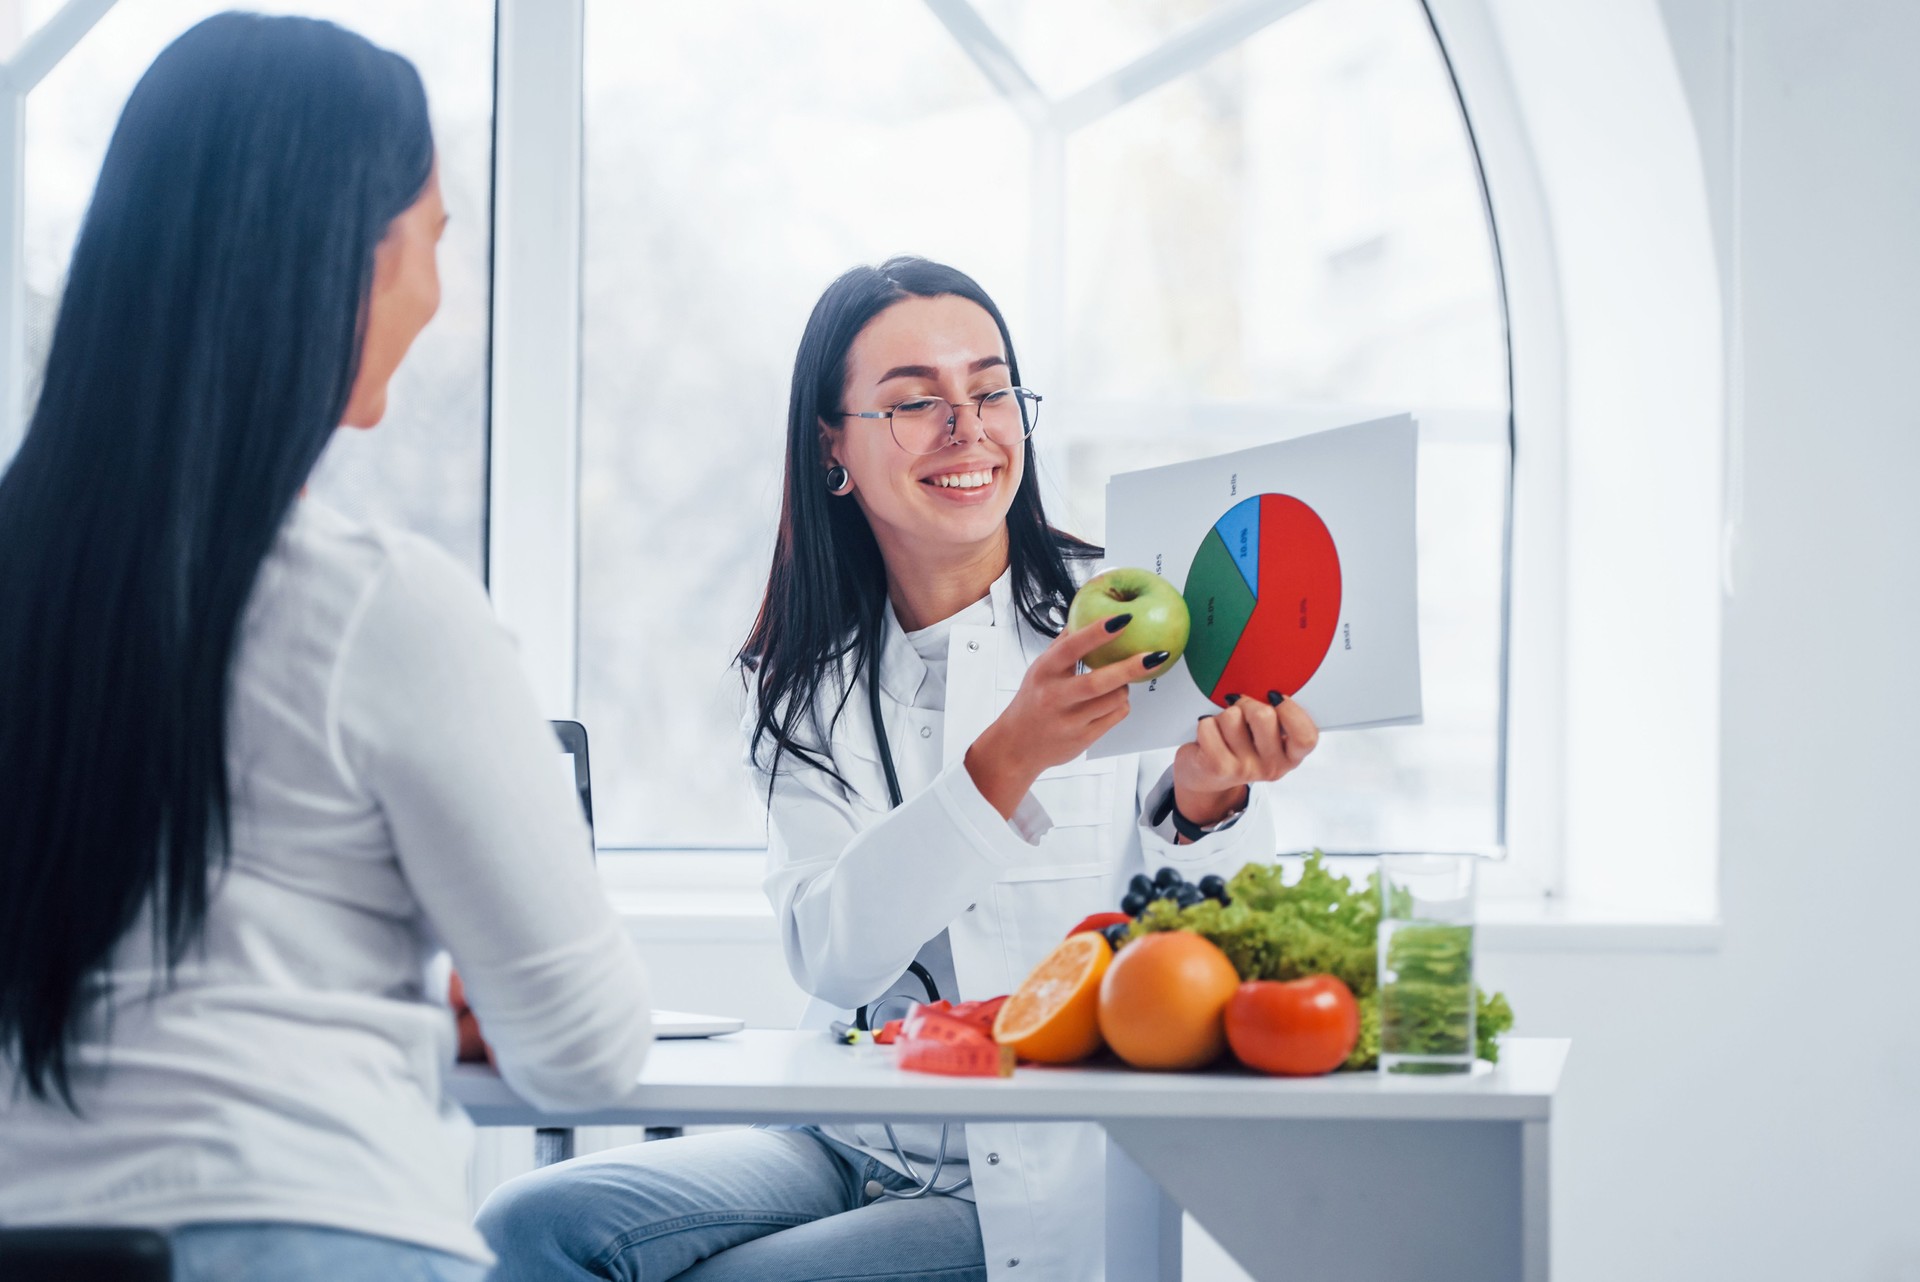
[
  {"x": 1288, "y": 236},
  {"x": 425, "y": 465}
]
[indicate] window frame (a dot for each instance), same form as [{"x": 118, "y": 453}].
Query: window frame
[
  {"x": 37, "y": 55},
  {"x": 533, "y": 510},
  {"x": 1533, "y": 658}
]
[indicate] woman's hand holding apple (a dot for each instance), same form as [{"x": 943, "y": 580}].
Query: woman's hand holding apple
[
  {"x": 1055, "y": 715},
  {"x": 1253, "y": 741}
]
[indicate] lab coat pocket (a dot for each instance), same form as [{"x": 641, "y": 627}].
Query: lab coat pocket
[
  {"x": 1078, "y": 792},
  {"x": 1037, "y": 905}
]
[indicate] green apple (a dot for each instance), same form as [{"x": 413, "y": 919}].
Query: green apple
[{"x": 1160, "y": 620}]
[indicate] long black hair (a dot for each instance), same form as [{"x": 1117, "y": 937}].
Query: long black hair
[
  {"x": 205, "y": 349},
  {"x": 827, "y": 591}
]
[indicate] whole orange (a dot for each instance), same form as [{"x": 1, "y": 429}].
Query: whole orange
[{"x": 1163, "y": 1000}]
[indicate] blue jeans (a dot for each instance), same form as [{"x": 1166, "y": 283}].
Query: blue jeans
[
  {"x": 783, "y": 1205},
  {"x": 308, "y": 1253}
]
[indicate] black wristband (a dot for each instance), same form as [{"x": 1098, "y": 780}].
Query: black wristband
[{"x": 1183, "y": 826}]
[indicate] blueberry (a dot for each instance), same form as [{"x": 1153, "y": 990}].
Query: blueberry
[
  {"x": 1213, "y": 886},
  {"x": 1134, "y": 904},
  {"x": 1188, "y": 896},
  {"x": 1141, "y": 885},
  {"x": 1166, "y": 879}
]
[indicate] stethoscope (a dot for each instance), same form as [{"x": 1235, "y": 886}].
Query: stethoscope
[{"x": 928, "y": 1184}]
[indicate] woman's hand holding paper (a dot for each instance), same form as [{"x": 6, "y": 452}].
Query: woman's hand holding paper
[{"x": 1252, "y": 741}]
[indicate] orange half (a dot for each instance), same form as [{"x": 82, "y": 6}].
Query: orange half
[{"x": 1054, "y": 1016}]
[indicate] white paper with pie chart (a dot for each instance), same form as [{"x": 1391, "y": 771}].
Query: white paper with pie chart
[{"x": 1298, "y": 565}]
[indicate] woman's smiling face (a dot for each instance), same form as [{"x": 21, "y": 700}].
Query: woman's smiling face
[{"x": 954, "y": 500}]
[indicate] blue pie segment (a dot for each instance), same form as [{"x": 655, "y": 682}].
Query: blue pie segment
[{"x": 1240, "y": 530}]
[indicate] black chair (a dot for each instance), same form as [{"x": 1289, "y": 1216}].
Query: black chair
[{"x": 85, "y": 1255}]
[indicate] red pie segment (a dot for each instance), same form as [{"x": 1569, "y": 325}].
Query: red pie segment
[{"x": 1298, "y": 608}]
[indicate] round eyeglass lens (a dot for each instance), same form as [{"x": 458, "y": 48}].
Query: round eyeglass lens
[
  {"x": 923, "y": 425},
  {"x": 1009, "y": 414},
  {"x": 927, "y": 424}
]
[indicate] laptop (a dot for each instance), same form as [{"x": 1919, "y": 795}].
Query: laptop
[{"x": 668, "y": 1025}]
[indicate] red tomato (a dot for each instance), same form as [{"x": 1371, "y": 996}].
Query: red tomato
[
  {"x": 1100, "y": 921},
  {"x": 1302, "y": 1027}
]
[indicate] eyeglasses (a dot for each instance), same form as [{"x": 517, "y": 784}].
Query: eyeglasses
[{"x": 928, "y": 424}]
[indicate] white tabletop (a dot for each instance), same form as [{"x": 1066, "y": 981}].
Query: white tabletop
[{"x": 769, "y": 1076}]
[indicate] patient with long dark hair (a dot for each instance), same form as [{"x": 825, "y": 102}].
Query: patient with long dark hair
[{"x": 259, "y": 761}]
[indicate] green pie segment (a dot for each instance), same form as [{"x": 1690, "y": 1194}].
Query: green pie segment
[{"x": 1220, "y": 603}]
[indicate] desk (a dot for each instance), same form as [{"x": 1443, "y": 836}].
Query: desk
[{"x": 1350, "y": 1177}]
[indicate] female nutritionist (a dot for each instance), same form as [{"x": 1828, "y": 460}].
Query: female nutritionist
[
  {"x": 260, "y": 760},
  {"x": 916, "y": 581}
]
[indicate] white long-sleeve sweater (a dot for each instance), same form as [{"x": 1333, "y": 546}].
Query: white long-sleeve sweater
[{"x": 394, "y": 791}]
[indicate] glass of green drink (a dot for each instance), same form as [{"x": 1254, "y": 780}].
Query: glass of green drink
[{"x": 1426, "y": 964}]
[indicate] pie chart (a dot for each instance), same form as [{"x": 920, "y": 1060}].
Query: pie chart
[{"x": 1264, "y": 594}]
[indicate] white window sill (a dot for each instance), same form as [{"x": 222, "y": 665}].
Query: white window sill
[
  {"x": 715, "y": 895},
  {"x": 678, "y": 915},
  {"x": 1560, "y": 926}
]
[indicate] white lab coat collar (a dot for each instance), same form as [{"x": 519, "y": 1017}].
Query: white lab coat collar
[{"x": 902, "y": 670}]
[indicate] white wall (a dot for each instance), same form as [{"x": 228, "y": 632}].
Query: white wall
[{"x": 1755, "y": 1113}]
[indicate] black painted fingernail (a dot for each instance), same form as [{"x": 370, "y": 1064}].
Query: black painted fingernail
[
  {"x": 1157, "y": 658},
  {"x": 1118, "y": 621},
  {"x": 1275, "y": 698},
  {"x": 1232, "y": 699}
]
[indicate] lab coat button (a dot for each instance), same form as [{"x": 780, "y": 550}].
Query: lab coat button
[
  {"x": 993, "y": 1159},
  {"x": 1014, "y": 1263},
  {"x": 971, "y": 907},
  {"x": 926, "y": 732},
  {"x": 973, "y": 645}
]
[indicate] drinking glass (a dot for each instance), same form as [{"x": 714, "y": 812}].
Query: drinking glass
[{"x": 1426, "y": 964}]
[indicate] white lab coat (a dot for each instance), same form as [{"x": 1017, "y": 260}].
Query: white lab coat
[{"x": 858, "y": 889}]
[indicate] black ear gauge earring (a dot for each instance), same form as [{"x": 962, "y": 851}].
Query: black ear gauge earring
[{"x": 839, "y": 481}]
